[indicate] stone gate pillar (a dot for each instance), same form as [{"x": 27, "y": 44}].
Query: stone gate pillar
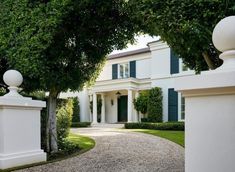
[
  {"x": 20, "y": 135},
  {"x": 210, "y": 109}
]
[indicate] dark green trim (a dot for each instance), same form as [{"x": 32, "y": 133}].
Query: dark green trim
[
  {"x": 172, "y": 105},
  {"x": 122, "y": 109},
  {"x": 133, "y": 69},
  {"x": 114, "y": 71},
  {"x": 174, "y": 63}
]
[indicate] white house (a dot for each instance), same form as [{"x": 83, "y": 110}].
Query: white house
[{"x": 125, "y": 75}]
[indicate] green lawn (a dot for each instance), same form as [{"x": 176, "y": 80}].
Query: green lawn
[
  {"x": 174, "y": 136},
  {"x": 85, "y": 144}
]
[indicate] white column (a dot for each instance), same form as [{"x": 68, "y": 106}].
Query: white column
[
  {"x": 136, "y": 118},
  {"x": 130, "y": 106},
  {"x": 84, "y": 103},
  {"x": 103, "y": 108},
  {"x": 94, "y": 108}
]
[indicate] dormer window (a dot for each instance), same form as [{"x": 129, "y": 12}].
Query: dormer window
[{"x": 123, "y": 70}]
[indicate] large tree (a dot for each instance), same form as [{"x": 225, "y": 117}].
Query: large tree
[
  {"x": 61, "y": 44},
  {"x": 185, "y": 25}
]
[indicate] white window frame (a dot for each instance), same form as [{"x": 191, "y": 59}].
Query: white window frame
[{"x": 124, "y": 71}]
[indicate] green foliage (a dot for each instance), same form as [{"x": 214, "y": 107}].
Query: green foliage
[
  {"x": 76, "y": 110},
  {"x": 61, "y": 44},
  {"x": 177, "y": 126},
  {"x": 64, "y": 120},
  {"x": 141, "y": 102},
  {"x": 99, "y": 106},
  {"x": 71, "y": 146},
  {"x": 185, "y": 25},
  {"x": 2, "y": 91},
  {"x": 80, "y": 124},
  {"x": 155, "y": 105},
  {"x": 145, "y": 120}
]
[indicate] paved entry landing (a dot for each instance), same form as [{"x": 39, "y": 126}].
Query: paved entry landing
[{"x": 118, "y": 150}]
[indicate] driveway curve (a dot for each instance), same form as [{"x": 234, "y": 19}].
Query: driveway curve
[{"x": 120, "y": 150}]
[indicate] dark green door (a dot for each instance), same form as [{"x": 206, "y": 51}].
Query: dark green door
[
  {"x": 172, "y": 105},
  {"x": 122, "y": 109}
]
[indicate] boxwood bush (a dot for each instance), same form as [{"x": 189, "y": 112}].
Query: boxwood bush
[
  {"x": 177, "y": 126},
  {"x": 155, "y": 105},
  {"x": 80, "y": 124}
]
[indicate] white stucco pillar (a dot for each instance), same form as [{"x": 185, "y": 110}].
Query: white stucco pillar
[
  {"x": 84, "y": 104},
  {"x": 136, "y": 117},
  {"x": 94, "y": 108},
  {"x": 20, "y": 136},
  {"x": 130, "y": 106},
  {"x": 210, "y": 109},
  {"x": 103, "y": 108}
]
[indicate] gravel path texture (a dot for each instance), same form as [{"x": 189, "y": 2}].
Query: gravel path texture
[{"x": 119, "y": 150}]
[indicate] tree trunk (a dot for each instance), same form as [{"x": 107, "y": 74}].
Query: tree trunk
[
  {"x": 208, "y": 60},
  {"x": 52, "y": 145},
  {"x": 139, "y": 118}
]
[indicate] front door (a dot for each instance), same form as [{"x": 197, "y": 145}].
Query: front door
[{"x": 122, "y": 109}]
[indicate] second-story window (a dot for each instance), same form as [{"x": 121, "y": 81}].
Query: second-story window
[{"x": 124, "y": 70}]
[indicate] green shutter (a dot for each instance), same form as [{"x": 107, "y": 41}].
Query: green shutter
[
  {"x": 172, "y": 105},
  {"x": 115, "y": 71},
  {"x": 133, "y": 69},
  {"x": 174, "y": 63}
]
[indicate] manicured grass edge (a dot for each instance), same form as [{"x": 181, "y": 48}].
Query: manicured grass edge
[
  {"x": 72, "y": 136},
  {"x": 156, "y": 133},
  {"x": 80, "y": 124}
]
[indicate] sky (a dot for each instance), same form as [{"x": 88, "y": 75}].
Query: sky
[{"x": 140, "y": 43}]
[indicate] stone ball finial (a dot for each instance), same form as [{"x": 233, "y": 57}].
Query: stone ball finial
[
  {"x": 13, "y": 78},
  {"x": 224, "y": 34}
]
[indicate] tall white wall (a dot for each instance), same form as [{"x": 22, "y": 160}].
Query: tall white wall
[
  {"x": 142, "y": 66},
  {"x": 84, "y": 106},
  {"x": 143, "y": 69},
  {"x": 106, "y": 73},
  {"x": 160, "y": 60},
  {"x": 111, "y": 110}
]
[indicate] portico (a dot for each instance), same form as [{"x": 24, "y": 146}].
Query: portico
[{"x": 117, "y": 97}]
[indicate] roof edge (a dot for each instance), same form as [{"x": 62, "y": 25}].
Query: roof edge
[{"x": 129, "y": 53}]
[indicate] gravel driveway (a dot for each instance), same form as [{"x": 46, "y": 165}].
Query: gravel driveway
[{"x": 118, "y": 150}]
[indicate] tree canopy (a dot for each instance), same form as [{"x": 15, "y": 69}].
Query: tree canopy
[
  {"x": 185, "y": 25},
  {"x": 61, "y": 44}
]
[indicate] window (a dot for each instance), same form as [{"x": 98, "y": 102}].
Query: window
[
  {"x": 124, "y": 70},
  {"x": 182, "y": 108}
]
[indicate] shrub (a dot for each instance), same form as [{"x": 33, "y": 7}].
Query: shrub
[
  {"x": 141, "y": 102},
  {"x": 144, "y": 120},
  {"x": 80, "y": 124},
  {"x": 99, "y": 107},
  {"x": 64, "y": 119},
  {"x": 155, "y": 105},
  {"x": 177, "y": 126},
  {"x": 76, "y": 110}
]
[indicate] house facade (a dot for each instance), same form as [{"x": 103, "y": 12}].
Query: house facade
[{"x": 124, "y": 76}]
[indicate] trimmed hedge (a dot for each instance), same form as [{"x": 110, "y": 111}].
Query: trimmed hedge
[
  {"x": 80, "y": 124},
  {"x": 177, "y": 126},
  {"x": 154, "y": 108}
]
